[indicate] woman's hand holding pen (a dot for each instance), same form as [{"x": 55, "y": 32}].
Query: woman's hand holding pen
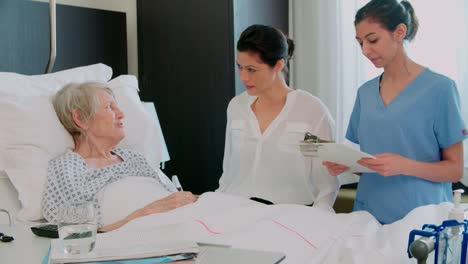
[{"x": 386, "y": 164}]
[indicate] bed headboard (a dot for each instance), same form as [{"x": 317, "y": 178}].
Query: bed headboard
[{"x": 84, "y": 36}]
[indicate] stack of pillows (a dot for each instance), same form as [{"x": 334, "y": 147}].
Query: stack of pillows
[{"x": 31, "y": 133}]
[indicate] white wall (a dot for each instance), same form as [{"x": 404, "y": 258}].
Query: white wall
[
  {"x": 305, "y": 72},
  {"x": 127, "y": 6}
]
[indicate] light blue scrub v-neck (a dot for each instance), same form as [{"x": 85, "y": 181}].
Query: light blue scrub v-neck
[{"x": 419, "y": 122}]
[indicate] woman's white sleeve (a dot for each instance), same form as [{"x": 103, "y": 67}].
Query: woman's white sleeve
[
  {"x": 227, "y": 153},
  {"x": 326, "y": 186}
]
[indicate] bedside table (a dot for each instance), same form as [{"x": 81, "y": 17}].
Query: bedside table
[{"x": 26, "y": 247}]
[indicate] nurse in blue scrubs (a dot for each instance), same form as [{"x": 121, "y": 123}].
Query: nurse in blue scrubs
[{"x": 408, "y": 118}]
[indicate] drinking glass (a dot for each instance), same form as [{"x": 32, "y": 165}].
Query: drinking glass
[{"x": 77, "y": 227}]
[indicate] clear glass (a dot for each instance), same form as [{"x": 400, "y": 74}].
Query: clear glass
[{"x": 77, "y": 228}]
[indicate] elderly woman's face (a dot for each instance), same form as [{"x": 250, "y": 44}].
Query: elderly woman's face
[{"x": 107, "y": 123}]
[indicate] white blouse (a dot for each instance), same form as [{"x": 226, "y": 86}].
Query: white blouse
[{"x": 270, "y": 165}]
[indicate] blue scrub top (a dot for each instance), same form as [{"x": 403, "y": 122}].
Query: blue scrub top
[{"x": 422, "y": 120}]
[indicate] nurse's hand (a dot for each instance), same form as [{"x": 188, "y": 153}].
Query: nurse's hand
[
  {"x": 335, "y": 169},
  {"x": 386, "y": 164}
]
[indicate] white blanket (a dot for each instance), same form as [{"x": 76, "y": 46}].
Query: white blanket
[{"x": 304, "y": 234}]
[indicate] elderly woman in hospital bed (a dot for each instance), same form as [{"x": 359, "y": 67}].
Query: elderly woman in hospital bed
[
  {"x": 96, "y": 170},
  {"x": 304, "y": 234}
]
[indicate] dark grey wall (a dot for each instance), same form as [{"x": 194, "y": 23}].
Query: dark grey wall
[
  {"x": 84, "y": 36},
  {"x": 187, "y": 67},
  {"x": 268, "y": 12}
]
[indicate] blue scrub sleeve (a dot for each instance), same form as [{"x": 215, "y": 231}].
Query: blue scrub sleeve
[
  {"x": 449, "y": 126},
  {"x": 352, "y": 132}
]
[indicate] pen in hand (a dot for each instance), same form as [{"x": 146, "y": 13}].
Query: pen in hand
[{"x": 176, "y": 182}]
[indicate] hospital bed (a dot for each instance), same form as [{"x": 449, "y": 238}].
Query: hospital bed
[{"x": 31, "y": 135}]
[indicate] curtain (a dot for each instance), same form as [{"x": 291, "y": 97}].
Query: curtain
[{"x": 329, "y": 64}]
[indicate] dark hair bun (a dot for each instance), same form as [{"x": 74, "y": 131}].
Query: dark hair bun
[
  {"x": 268, "y": 42},
  {"x": 291, "y": 47},
  {"x": 390, "y": 14},
  {"x": 413, "y": 23}
]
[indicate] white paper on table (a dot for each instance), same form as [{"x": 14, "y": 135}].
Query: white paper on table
[
  {"x": 119, "y": 245},
  {"x": 343, "y": 154}
]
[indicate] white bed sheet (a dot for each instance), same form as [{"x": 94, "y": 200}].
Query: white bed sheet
[
  {"x": 27, "y": 247},
  {"x": 304, "y": 234}
]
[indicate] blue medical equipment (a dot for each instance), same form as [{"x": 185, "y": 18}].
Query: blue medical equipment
[
  {"x": 436, "y": 238},
  {"x": 448, "y": 241}
]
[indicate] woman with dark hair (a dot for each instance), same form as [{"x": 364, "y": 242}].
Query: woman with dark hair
[
  {"x": 265, "y": 124},
  {"x": 408, "y": 118}
]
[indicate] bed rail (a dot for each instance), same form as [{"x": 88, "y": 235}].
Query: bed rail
[{"x": 53, "y": 40}]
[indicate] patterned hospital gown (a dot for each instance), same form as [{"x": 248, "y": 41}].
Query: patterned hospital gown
[{"x": 70, "y": 180}]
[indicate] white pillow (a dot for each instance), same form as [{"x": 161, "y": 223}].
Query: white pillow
[
  {"x": 141, "y": 130},
  {"x": 18, "y": 85},
  {"x": 32, "y": 135},
  {"x": 8, "y": 199},
  {"x": 14, "y": 84}
]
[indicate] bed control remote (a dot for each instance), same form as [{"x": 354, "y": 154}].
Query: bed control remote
[{"x": 45, "y": 230}]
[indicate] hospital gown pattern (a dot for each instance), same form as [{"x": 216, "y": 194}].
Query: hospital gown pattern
[{"x": 70, "y": 180}]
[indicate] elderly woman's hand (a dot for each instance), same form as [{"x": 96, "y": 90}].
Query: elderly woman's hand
[{"x": 173, "y": 201}]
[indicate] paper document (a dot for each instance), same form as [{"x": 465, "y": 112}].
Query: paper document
[
  {"x": 121, "y": 246},
  {"x": 343, "y": 154}
]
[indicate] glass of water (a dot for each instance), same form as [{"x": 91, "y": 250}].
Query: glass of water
[{"x": 77, "y": 227}]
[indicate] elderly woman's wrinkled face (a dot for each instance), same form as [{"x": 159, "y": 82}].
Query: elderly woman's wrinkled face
[{"x": 107, "y": 122}]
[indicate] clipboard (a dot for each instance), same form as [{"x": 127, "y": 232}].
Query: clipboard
[{"x": 343, "y": 154}]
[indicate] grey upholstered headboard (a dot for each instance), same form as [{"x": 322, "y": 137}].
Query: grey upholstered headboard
[{"x": 84, "y": 36}]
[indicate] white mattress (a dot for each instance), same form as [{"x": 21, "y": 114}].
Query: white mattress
[{"x": 26, "y": 248}]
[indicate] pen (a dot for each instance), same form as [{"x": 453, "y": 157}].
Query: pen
[{"x": 176, "y": 182}]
